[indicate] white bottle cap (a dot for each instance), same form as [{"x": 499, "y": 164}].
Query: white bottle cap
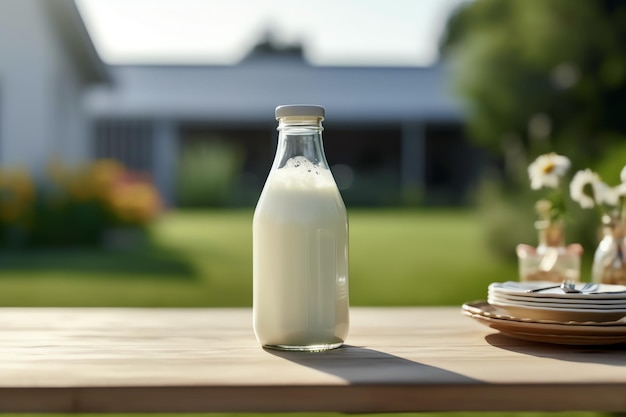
[{"x": 300, "y": 110}]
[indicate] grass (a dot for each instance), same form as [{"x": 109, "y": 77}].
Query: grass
[
  {"x": 420, "y": 258},
  {"x": 397, "y": 257},
  {"x": 200, "y": 258}
]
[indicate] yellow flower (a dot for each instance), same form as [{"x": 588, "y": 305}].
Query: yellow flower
[
  {"x": 105, "y": 174},
  {"x": 135, "y": 202},
  {"x": 17, "y": 193}
]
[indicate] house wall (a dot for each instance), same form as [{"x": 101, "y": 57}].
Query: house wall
[
  {"x": 40, "y": 106},
  {"x": 375, "y": 164},
  {"x": 390, "y": 106}
]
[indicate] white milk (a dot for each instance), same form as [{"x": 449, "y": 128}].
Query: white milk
[{"x": 300, "y": 260}]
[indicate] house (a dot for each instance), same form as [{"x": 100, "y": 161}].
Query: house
[
  {"x": 47, "y": 60},
  {"x": 392, "y": 134}
]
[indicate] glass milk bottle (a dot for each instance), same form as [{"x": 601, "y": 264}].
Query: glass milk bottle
[{"x": 300, "y": 242}]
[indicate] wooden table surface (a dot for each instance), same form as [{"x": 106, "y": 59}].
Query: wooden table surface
[{"x": 207, "y": 360}]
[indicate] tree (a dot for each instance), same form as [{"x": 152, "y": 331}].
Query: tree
[{"x": 539, "y": 75}]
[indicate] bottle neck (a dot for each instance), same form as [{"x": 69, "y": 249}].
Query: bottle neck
[{"x": 300, "y": 137}]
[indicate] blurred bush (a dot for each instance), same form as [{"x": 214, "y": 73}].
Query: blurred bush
[
  {"x": 208, "y": 173},
  {"x": 505, "y": 218},
  {"x": 74, "y": 206},
  {"x": 508, "y": 217},
  {"x": 549, "y": 73}
]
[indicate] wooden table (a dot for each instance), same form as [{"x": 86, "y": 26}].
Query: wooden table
[{"x": 207, "y": 360}]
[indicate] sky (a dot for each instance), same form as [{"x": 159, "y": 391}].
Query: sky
[{"x": 221, "y": 32}]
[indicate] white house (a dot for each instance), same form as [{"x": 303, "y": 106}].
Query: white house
[
  {"x": 46, "y": 62},
  {"x": 391, "y": 115},
  {"x": 57, "y": 98}
]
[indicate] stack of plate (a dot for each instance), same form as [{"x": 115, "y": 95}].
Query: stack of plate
[
  {"x": 547, "y": 331},
  {"x": 599, "y": 302},
  {"x": 596, "y": 316}
]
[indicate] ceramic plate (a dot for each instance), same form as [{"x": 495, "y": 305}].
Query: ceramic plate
[
  {"x": 557, "y": 313},
  {"x": 599, "y": 308},
  {"x": 608, "y": 292},
  {"x": 503, "y": 300},
  {"x": 547, "y": 331},
  {"x": 579, "y": 303}
]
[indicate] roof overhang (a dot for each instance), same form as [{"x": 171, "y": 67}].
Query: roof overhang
[{"x": 69, "y": 25}]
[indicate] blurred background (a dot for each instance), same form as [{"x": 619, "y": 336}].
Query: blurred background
[{"x": 136, "y": 135}]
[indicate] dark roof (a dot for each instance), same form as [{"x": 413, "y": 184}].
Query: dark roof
[
  {"x": 252, "y": 89},
  {"x": 68, "y": 23}
]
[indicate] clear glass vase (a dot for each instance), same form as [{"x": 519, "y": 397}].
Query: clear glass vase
[
  {"x": 552, "y": 260},
  {"x": 609, "y": 263}
]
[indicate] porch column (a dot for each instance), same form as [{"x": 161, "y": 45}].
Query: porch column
[
  {"x": 165, "y": 159},
  {"x": 413, "y": 159}
]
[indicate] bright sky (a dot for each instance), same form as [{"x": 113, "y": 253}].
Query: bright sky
[{"x": 335, "y": 32}]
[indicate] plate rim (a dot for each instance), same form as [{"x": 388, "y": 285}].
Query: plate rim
[
  {"x": 476, "y": 307},
  {"x": 559, "y": 300},
  {"x": 559, "y": 307},
  {"x": 538, "y": 331},
  {"x": 497, "y": 286}
]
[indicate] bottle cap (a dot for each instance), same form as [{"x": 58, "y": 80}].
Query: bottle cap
[{"x": 300, "y": 110}]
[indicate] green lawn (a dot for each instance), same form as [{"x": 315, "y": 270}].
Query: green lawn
[{"x": 397, "y": 257}]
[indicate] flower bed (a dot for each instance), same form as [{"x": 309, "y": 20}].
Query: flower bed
[{"x": 75, "y": 206}]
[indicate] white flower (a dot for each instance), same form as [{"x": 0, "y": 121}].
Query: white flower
[
  {"x": 620, "y": 190},
  {"x": 606, "y": 194},
  {"x": 547, "y": 170},
  {"x": 588, "y": 190}
]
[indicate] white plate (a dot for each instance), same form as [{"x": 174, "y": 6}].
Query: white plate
[
  {"x": 559, "y": 314},
  {"x": 546, "y": 331},
  {"x": 555, "y": 303},
  {"x": 608, "y": 292},
  {"x": 609, "y": 303}
]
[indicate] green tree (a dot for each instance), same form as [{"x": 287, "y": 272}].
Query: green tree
[{"x": 539, "y": 75}]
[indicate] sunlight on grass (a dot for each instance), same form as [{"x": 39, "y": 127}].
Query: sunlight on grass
[
  {"x": 204, "y": 258},
  {"x": 420, "y": 258}
]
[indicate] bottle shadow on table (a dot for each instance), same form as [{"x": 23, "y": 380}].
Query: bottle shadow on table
[
  {"x": 359, "y": 365},
  {"x": 613, "y": 354}
]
